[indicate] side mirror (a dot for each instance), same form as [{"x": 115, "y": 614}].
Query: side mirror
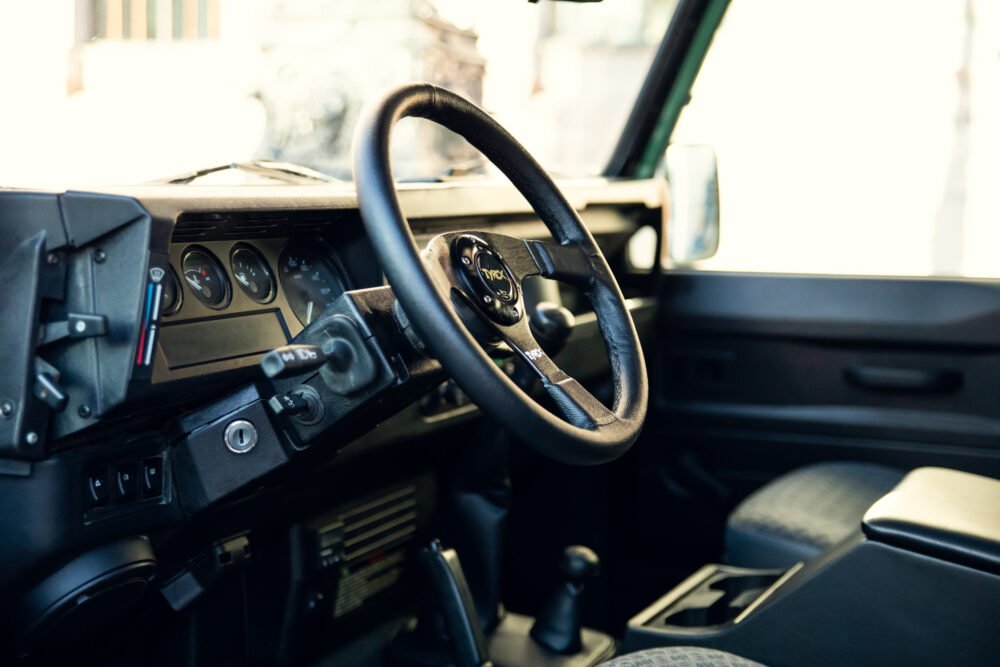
[{"x": 693, "y": 225}]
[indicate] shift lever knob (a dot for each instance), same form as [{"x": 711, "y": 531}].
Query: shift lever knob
[
  {"x": 557, "y": 627},
  {"x": 579, "y": 563},
  {"x": 551, "y": 324}
]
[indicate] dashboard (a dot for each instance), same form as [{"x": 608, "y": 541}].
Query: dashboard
[
  {"x": 194, "y": 284},
  {"x": 135, "y": 328}
]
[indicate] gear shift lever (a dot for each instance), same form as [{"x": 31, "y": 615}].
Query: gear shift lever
[
  {"x": 551, "y": 325},
  {"x": 558, "y": 625}
]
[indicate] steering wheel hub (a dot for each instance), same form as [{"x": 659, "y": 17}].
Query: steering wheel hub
[{"x": 488, "y": 278}]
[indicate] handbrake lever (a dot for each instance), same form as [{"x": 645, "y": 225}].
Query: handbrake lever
[{"x": 453, "y": 601}]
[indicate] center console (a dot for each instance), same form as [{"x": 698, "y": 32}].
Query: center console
[
  {"x": 919, "y": 584},
  {"x": 449, "y": 632}
]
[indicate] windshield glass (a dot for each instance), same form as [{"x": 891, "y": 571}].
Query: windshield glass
[{"x": 127, "y": 91}]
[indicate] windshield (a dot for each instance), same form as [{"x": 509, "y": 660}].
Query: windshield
[{"x": 128, "y": 91}]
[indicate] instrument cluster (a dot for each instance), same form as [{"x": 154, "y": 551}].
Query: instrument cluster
[
  {"x": 224, "y": 303},
  {"x": 306, "y": 275}
]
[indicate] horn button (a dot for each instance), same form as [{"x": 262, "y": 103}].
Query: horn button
[{"x": 489, "y": 280}]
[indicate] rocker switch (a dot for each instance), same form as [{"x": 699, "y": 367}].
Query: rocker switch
[
  {"x": 126, "y": 484},
  {"x": 97, "y": 490},
  {"x": 152, "y": 478}
]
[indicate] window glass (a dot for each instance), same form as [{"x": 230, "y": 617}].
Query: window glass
[
  {"x": 124, "y": 91},
  {"x": 854, "y": 137}
]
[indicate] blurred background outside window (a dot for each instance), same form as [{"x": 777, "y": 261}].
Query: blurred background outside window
[
  {"x": 126, "y": 91},
  {"x": 854, "y": 137}
]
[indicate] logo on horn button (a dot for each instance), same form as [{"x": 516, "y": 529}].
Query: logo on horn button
[{"x": 494, "y": 274}]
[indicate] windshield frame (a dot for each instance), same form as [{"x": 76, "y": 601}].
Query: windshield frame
[{"x": 666, "y": 88}]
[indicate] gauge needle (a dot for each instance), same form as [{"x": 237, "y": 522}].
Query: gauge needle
[{"x": 309, "y": 313}]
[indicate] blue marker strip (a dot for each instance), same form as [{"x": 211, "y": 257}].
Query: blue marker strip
[
  {"x": 140, "y": 357},
  {"x": 149, "y": 303}
]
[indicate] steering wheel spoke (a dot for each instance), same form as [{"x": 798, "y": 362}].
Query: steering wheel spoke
[
  {"x": 516, "y": 256},
  {"x": 569, "y": 263},
  {"x": 436, "y": 258},
  {"x": 577, "y": 405}
]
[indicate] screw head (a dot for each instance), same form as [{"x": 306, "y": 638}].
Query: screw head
[
  {"x": 100, "y": 255},
  {"x": 6, "y": 409},
  {"x": 487, "y": 298},
  {"x": 31, "y": 438},
  {"x": 515, "y": 312},
  {"x": 85, "y": 411},
  {"x": 466, "y": 260},
  {"x": 52, "y": 258}
]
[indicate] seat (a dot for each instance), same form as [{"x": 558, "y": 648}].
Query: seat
[
  {"x": 805, "y": 512},
  {"x": 680, "y": 656}
]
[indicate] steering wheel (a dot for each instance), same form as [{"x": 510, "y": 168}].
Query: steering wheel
[{"x": 462, "y": 293}]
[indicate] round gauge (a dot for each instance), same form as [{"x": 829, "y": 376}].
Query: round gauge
[
  {"x": 309, "y": 280},
  {"x": 251, "y": 273},
  {"x": 170, "y": 297},
  {"x": 205, "y": 277}
]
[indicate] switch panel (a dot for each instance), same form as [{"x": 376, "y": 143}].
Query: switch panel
[{"x": 123, "y": 484}]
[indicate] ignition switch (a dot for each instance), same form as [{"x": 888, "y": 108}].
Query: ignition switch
[{"x": 240, "y": 436}]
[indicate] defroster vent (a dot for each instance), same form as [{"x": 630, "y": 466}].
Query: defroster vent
[{"x": 203, "y": 226}]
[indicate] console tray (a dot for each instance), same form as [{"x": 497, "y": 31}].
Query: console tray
[{"x": 713, "y": 596}]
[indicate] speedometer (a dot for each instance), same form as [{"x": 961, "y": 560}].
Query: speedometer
[{"x": 309, "y": 280}]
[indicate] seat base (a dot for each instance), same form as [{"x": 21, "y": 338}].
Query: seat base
[
  {"x": 681, "y": 656},
  {"x": 805, "y": 512}
]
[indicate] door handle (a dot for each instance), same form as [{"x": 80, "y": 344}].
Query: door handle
[{"x": 904, "y": 380}]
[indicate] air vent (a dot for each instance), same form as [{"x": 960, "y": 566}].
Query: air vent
[
  {"x": 222, "y": 225},
  {"x": 371, "y": 529},
  {"x": 197, "y": 227}
]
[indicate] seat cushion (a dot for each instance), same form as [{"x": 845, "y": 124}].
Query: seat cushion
[
  {"x": 680, "y": 656},
  {"x": 805, "y": 512}
]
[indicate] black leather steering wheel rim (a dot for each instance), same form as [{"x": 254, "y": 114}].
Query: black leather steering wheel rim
[{"x": 587, "y": 435}]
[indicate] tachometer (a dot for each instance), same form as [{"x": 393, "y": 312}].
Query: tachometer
[
  {"x": 206, "y": 278},
  {"x": 251, "y": 272},
  {"x": 309, "y": 280}
]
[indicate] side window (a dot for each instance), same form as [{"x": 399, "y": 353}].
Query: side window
[{"x": 854, "y": 137}]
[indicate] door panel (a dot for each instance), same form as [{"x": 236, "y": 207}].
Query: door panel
[{"x": 758, "y": 374}]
